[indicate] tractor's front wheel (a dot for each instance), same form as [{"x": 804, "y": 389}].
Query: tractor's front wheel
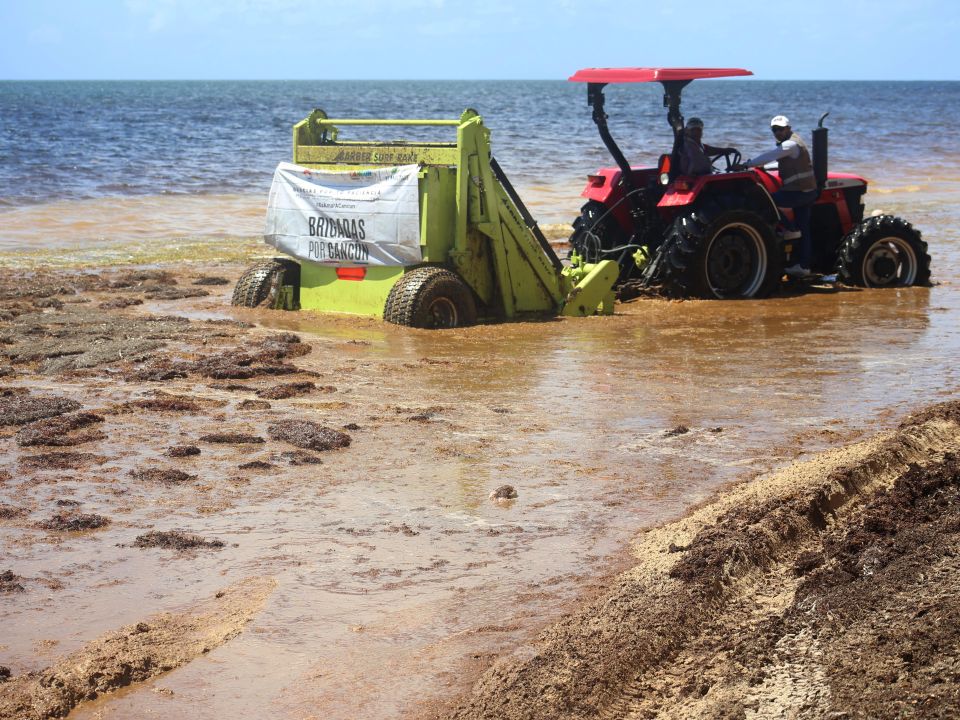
[
  {"x": 260, "y": 284},
  {"x": 883, "y": 251},
  {"x": 726, "y": 254},
  {"x": 430, "y": 297}
]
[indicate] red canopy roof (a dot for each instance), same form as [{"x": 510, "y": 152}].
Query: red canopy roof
[{"x": 617, "y": 75}]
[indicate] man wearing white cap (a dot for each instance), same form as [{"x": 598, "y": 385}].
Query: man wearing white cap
[{"x": 799, "y": 190}]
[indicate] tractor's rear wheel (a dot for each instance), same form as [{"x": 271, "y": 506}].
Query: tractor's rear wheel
[
  {"x": 725, "y": 254},
  {"x": 596, "y": 231},
  {"x": 260, "y": 284},
  {"x": 430, "y": 297},
  {"x": 883, "y": 251}
]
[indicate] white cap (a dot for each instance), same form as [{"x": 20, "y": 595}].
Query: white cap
[{"x": 780, "y": 121}]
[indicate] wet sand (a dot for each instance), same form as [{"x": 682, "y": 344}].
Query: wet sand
[
  {"x": 827, "y": 589},
  {"x": 162, "y": 447}
]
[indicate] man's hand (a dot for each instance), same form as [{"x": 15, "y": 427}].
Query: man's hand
[{"x": 738, "y": 167}]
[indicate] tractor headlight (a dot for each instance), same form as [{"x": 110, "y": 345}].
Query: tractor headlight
[{"x": 664, "y": 166}]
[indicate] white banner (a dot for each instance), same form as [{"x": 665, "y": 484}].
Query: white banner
[{"x": 363, "y": 217}]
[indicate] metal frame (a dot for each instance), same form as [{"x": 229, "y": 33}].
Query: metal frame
[{"x": 471, "y": 220}]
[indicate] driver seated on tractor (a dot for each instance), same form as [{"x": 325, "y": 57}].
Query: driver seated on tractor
[
  {"x": 695, "y": 158},
  {"x": 799, "y": 189}
]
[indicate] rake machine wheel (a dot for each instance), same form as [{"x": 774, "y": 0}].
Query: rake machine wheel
[
  {"x": 430, "y": 297},
  {"x": 883, "y": 251},
  {"x": 262, "y": 281}
]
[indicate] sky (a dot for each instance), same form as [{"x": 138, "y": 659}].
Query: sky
[{"x": 483, "y": 39}]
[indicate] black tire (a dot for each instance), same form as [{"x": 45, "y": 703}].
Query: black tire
[
  {"x": 430, "y": 297},
  {"x": 596, "y": 230},
  {"x": 720, "y": 253},
  {"x": 260, "y": 284},
  {"x": 883, "y": 251}
]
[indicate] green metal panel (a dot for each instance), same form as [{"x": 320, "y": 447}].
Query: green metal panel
[
  {"x": 321, "y": 289},
  {"x": 475, "y": 265},
  {"x": 476, "y": 201},
  {"x": 593, "y": 291},
  {"x": 437, "y": 221},
  {"x": 467, "y": 144},
  {"x": 536, "y": 284},
  {"x": 467, "y": 221},
  {"x": 526, "y": 280},
  {"x": 384, "y": 121},
  {"x": 354, "y": 156}
]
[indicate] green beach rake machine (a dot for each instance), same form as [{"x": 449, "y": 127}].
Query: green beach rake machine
[{"x": 423, "y": 234}]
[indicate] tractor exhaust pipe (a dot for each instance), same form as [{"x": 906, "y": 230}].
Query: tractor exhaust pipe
[{"x": 820, "y": 153}]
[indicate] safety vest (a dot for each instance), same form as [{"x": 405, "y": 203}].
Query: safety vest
[{"x": 797, "y": 173}]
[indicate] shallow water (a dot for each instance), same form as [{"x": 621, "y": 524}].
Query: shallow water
[{"x": 398, "y": 576}]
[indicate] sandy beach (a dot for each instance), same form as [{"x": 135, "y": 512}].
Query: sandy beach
[
  {"x": 827, "y": 589},
  {"x": 210, "y": 510}
]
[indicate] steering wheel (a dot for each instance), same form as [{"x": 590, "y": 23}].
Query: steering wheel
[{"x": 731, "y": 157}]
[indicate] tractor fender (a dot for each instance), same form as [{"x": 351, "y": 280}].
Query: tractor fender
[
  {"x": 757, "y": 197},
  {"x": 603, "y": 185}
]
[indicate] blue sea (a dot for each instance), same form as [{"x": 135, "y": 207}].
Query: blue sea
[{"x": 83, "y": 163}]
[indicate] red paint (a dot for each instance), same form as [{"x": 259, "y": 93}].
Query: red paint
[
  {"x": 351, "y": 273},
  {"x": 613, "y": 75}
]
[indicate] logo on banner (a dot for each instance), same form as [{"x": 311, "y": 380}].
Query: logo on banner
[{"x": 355, "y": 217}]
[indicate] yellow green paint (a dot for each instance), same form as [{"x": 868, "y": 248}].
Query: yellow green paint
[{"x": 468, "y": 222}]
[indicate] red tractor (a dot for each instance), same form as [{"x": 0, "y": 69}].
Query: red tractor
[{"x": 720, "y": 235}]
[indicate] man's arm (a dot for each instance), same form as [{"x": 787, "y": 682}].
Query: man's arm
[{"x": 788, "y": 148}]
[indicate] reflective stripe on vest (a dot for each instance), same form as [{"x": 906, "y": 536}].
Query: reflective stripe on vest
[
  {"x": 797, "y": 173},
  {"x": 797, "y": 176}
]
